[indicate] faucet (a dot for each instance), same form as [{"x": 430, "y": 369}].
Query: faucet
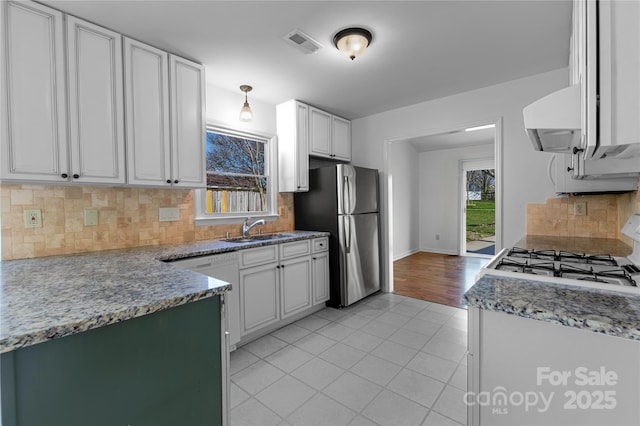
[{"x": 246, "y": 228}]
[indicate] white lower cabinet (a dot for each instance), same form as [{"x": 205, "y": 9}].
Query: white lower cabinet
[
  {"x": 523, "y": 371},
  {"x": 295, "y": 283},
  {"x": 320, "y": 277},
  {"x": 320, "y": 270},
  {"x": 279, "y": 283},
  {"x": 259, "y": 297}
]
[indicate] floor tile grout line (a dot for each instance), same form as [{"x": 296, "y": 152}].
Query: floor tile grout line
[{"x": 366, "y": 319}]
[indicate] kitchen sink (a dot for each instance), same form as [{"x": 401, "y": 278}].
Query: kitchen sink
[{"x": 257, "y": 238}]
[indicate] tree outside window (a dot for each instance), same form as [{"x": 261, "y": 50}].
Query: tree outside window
[{"x": 237, "y": 174}]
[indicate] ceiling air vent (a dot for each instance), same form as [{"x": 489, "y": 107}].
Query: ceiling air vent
[{"x": 302, "y": 41}]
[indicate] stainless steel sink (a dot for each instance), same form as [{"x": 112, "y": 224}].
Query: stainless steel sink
[{"x": 257, "y": 238}]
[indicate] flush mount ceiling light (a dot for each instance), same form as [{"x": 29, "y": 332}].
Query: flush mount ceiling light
[
  {"x": 352, "y": 42},
  {"x": 245, "y": 113}
]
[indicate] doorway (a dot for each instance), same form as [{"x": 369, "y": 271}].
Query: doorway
[
  {"x": 478, "y": 202},
  {"x": 435, "y": 224}
]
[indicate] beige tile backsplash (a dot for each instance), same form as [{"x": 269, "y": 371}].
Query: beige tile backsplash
[
  {"x": 605, "y": 215},
  {"x": 128, "y": 217}
]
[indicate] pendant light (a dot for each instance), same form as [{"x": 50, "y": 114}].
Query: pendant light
[
  {"x": 352, "y": 42},
  {"x": 245, "y": 113}
]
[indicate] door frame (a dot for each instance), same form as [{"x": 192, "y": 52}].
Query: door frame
[
  {"x": 387, "y": 195},
  {"x": 464, "y": 166}
]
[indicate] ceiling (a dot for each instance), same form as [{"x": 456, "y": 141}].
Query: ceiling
[{"x": 421, "y": 50}]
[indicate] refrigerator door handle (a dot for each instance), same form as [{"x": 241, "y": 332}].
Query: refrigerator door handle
[
  {"x": 347, "y": 196},
  {"x": 346, "y": 221}
]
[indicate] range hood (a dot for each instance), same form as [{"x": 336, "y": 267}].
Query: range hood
[{"x": 553, "y": 123}]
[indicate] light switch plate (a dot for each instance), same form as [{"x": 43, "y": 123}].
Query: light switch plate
[
  {"x": 33, "y": 219},
  {"x": 169, "y": 214},
  {"x": 90, "y": 217},
  {"x": 580, "y": 208}
]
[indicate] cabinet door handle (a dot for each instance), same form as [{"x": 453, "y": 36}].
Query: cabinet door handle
[
  {"x": 176, "y": 181},
  {"x": 278, "y": 267},
  {"x": 76, "y": 176},
  {"x": 64, "y": 176},
  {"x": 168, "y": 180},
  {"x": 313, "y": 258}
]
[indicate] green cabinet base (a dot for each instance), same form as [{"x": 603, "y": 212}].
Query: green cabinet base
[{"x": 163, "y": 368}]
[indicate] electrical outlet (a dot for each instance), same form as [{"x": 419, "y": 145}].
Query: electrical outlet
[
  {"x": 90, "y": 217},
  {"x": 580, "y": 208},
  {"x": 437, "y": 237},
  {"x": 32, "y": 219},
  {"x": 169, "y": 214}
]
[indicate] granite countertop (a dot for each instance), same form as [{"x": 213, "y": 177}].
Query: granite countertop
[
  {"x": 611, "y": 312},
  {"x": 50, "y": 297}
]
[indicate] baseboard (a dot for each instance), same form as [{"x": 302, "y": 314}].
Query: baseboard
[
  {"x": 440, "y": 251},
  {"x": 405, "y": 254}
]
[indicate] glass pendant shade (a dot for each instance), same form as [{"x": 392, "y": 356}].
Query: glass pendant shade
[{"x": 245, "y": 112}]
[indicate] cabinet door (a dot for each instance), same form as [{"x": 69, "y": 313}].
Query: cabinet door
[
  {"x": 259, "y": 298},
  {"x": 187, "y": 123},
  {"x": 341, "y": 138},
  {"x": 619, "y": 70},
  {"x": 295, "y": 281},
  {"x": 96, "y": 106},
  {"x": 147, "y": 109},
  {"x": 293, "y": 146},
  {"x": 319, "y": 133},
  {"x": 320, "y": 277},
  {"x": 302, "y": 147},
  {"x": 33, "y": 111}
]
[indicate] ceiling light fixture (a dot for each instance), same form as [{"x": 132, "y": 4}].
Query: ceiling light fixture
[
  {"x": 473, "y": 129},
  {"x": 245, "y": 113},
  {"x": 352, "y": 41}
]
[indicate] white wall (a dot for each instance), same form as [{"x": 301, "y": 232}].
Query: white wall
[
  {"x": 523, "y": 170},
  {"x": 223, "y": 109},
  {"x": 403, "y": 168},
  {"x": 440, "y": 197}
]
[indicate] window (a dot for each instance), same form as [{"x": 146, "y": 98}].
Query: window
[{"x": 239, "y": 176}]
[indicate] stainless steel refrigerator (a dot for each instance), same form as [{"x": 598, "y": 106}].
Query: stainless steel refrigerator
[{"x": 343, "y": 200}]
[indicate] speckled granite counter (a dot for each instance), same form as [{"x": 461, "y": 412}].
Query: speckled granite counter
[
  {"x": 601, "y": 311},
  {"x": 46, "y": 298}
]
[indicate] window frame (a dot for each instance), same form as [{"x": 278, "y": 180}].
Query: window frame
[{"x": 202, "y": 218}]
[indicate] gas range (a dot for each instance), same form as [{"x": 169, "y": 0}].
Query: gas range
[{"x": 587, "y": 270}]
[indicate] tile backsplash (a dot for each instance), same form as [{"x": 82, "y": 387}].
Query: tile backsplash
[
  {"x": 603, "y": 218},
  {"x": 127, "y": 217}
]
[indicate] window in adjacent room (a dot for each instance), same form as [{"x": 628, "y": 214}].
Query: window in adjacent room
[{"x": 240, "y": 174}]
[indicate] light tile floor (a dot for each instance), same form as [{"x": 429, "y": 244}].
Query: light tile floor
[{"x": 387, "y": 360}]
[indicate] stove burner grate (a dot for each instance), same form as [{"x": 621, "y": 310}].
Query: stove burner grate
[{"x": 588, "y": 274}]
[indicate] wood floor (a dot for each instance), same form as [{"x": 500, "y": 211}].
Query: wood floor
[{"x": 435, "y": 277}]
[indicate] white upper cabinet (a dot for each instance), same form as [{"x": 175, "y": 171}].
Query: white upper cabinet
[
  {"x": 320, "y": 133},
  {"x": 146, "y": 79},
  {"x": 33, "y": 115},
  {"x": 304, "y": 130},
  {"x": 293, "y": 146},
  {"x": 165, "y": 118},
  {"x": 604, "y": 60},
  {"x": 341, "y": 129},
  {"x": 39, "y": 143},
  {"x": 329, "y": 135},
  {"x": 188, "y": 133},
  {"x": 619, "y": 78},
  {"x": 96, "y": 106}
]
